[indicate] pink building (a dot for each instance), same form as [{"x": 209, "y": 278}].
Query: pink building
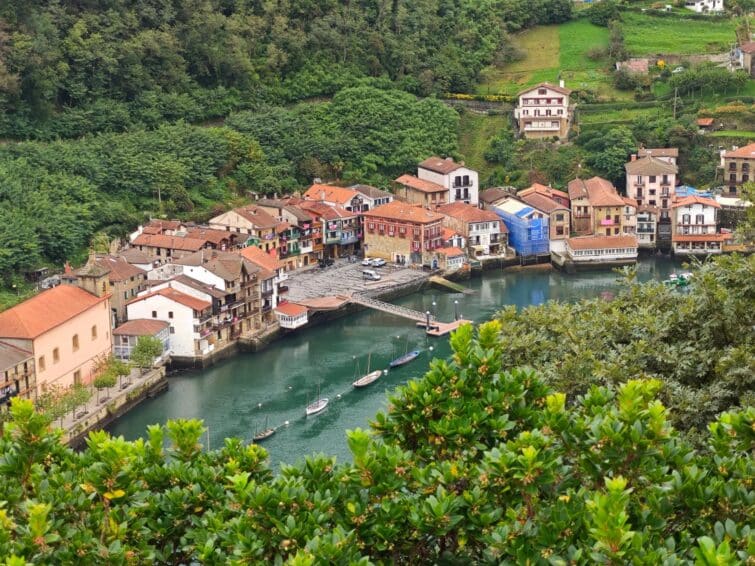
[{"x": 66, "y": 328}]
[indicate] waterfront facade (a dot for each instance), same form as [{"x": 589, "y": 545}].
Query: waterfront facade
[
  {"x": 483, "y": 230},
  {"x": 403, "y": 233},
  {"x": 694, "y": 226},
  {"x": 602, "y": 249},
  {"x": 647, "y": 220},
  {"x": 651, "y": 181},
  {"x": 559, "y": 216},
  {"x": 527, "y": 226},
  {"x": 738, "y": 165},
  {"x": 291, "y": 315},
  {"x": 252, "y": 224},
  {"x": 460, "y": 182},
  {"x": 127, "y": 335}
]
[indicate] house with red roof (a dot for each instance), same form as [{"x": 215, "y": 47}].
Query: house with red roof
[
  {"x": 66, "y": 330},
  {"x": 272, "y": 275},
  {"x": 253, "y": 225},
  {"x": 694, "y": 226},
  {"x": 544, "y": 111},
  {"x": 461, "y": 183},
  {"x": 340, "y": 230},
  {"x": 291, "y": 315},
  {"x": 421, "y": 192},
  {"x": 189, "y": 320},
  {"x": 738, "y": 165},
  {"x": 17, "y": 375},
  {"x": 602, "y": 250},
  {"x": 559, "y": 215},
  {"x": 127, "y": 335},
  {"x": 484, "y": 231},
  {"x": 350, "y": 199}
]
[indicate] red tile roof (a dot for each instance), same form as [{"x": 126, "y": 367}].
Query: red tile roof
[
  {"x": 168, "y": 242},
  {"x": 602, "y": 193},
  {"x": 468, "y": 213},
  {"x": 404, "y": 212},
  {"x": 452, "y": 251},
  {"x": 700, "y": 237},
  {"x": 330, "y": 193},
  {"x": 650, "y": 165},
  {"x": 327, "y": 211},
  {"x": 140, "y": 327},
  {"x": 449, "y": 233},
  {"x": 257, "y": 216},
  {"x": 601, "y": 242},
  {"x": 748, "y": 47},
  {"x": 420, "y": 184},
  {"x": 580, "y": 188},
  {"x": 541, "y": 202},
  {"x": 566, "y": 91},
  {"x": 440, "y": 165},
  {"x": 690, "y": 200},
  {"x": 550, "y": 192},
  {"x": 260, "y": 258},
  {"x": 120, "y": 269},
  {"x": 746, "y": 151},
  {"x": 705, "y": 122},
  {"x": 210, "y": 235},
  {"x": 629, "y": 202},
  {"x": 658, "y": 152},
  {"x": 291, "y": 309},
  {"x": 46, "y": 311},
  {"x": 175, "y": 296}
]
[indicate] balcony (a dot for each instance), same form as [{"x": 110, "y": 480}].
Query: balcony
[
  {"x": 551, "y": 128},
  {"x": 267, "y": 292},
  {"x": 306, "y": 249},
  {"x": 231, "y": 306},
  {"x": 281, "y": 276},
  {"x": 352, "y": 239}
]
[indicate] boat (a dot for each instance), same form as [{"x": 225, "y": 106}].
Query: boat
[
  {"x": 679, "y": 280},
  {"x": 369, "y": 377},
  {"x": 405, "y": 359},
  {"x": 318, "y": 405},
  {"x": 266, "y": 433}
]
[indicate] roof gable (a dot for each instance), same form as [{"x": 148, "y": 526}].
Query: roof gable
[
  {"x": 440, "y": 165},
  {"x": 330, "y": 193}
]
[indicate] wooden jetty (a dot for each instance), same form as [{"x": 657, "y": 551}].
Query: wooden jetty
[{"x": 443, "y": 328}]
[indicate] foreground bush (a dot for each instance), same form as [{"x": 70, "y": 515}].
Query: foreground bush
[{"x": 471, "y": 464}]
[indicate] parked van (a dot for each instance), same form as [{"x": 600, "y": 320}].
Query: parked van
[{"x": 370, "y": 274}]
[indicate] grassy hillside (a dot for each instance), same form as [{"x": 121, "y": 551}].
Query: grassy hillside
[
  {"x": 475, "y": 131},
  {"x": 651, "y": 35}
]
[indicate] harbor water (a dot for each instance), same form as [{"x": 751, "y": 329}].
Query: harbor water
[{"x": 238, "y": 396}]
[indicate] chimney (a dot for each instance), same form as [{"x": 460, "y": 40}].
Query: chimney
[
  {"x": 633, "y": 157},
  {"x": 561, "y": 83},
  {"x": 322, "y": 196}
]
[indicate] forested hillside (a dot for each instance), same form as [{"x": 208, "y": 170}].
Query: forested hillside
[{"x": 72, "y": 67}]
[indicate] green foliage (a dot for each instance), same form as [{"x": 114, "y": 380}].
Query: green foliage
[
  {"x": 146, "y": 350},
  {"x": 609, "y": 151},
  {"x": 708, "y": 78},
  {"x": 602, "y": 13},
  {"x": 471, "y": 464}
]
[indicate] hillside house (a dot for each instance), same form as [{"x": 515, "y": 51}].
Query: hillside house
[
  {"x": 339, "y": 230},
  {"x": 738, "y": 165},
  {"x": 647, "y": 221},
  {"x": 667, "y": 154},
  {"x": 372, "y": 196},
  {"x": 252, "y": 224},
  {"x": 544, "y": 111},
  {"x": 705, "y": 6},
  {"x": 403, "y": 233},
  {"x": 746, "y": 57},
  {"x": 483, "y": 230},
  {"x": 17, "y": 375},
  {"x": 416, "y": 191},
  {"x": 461, "y": 182}
]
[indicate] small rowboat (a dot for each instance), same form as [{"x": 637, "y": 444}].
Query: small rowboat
[
  {"x": 405, "y": 359},
  {"x": 317, "y": 406}
]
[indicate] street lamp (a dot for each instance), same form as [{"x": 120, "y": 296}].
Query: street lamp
[
  {"x": 427, "y": 324},
  {"x": 456, "y": 310},
  {"x": 435, "y": 312}
]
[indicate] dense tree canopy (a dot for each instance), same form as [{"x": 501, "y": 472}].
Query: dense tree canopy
[
  {"x": 471, "y": 464},
  {"x": 71, "y": 67}
]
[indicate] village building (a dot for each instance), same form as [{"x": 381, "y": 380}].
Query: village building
[
  {"x": 17, "y": 377},
  {"x": 489, "y": 197},
  {"x": 483, "y": 230},
  {"x": 372, "y": 196},
  {"x": 165, "y": 240},
  {"x": 544, "y": 111},
  {"x": 634, "y": 65},
  {"x": 66, "y": 328},
  {"x": 560, "y": 197},
  {"x": 597, "y": 208},
  {"x": 694, "y": 226},
  {"x": 127, "y": 335},
  {"x": 705, "y": 6},
  {"x": 706, "y": 125},
  {"x": 746, "y": 57},
  {"x": 252, "y": 224},
  {"x": 452, "y": 239},
  {"x": 528, "y": 227},
  {"x": 271, "y": 277},
  {"x": 403, "y": 233},
  {"x": 166, "y": 248},
  {"x": 559, "y": 215},
  {"x": 647, "y": 221},
  {"x": 629, "y": 216},
  {"x": 461, "y": 182},
  {"x": 126, "y": 282},
  {"x": 340, "y": 229},
  {"x": 451, "y": 260},
  {"x": 346, "y": 198},
  {"x": 606, "y": 250},
  {"x": 296, "y": 246},
  {"x": 651, "y": 181},
  {"x": 738, "y": 166},
  {"x": 137, "y": 258},
  {"x": 291, "y": 315},
  {"x": 416, "y": 191},
  {"x": 667, "y": 154},
  {"x": 189, "y": 320}
]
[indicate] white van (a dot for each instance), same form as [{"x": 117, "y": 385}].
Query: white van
[{"x": 370, "y": 274}]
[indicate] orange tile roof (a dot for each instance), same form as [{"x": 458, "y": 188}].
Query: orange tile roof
[
  {"x": 658, "y": 152},
  {"x": 549, "y": 192},
  {"x": 440, "y": 165},
  {"x": 601, "y": 242},
  {"x": 748, "y": 47},
  {"x": 541, "y": 202},
  {"x": 452, "y": 251},
  {"x": 291, "y": 309},
  {"x": 694, "y": 199},
  {"x": 420, "y": 184},
  {"x": 209, "y": 234},
  {"x": 546, "y": 85},
  {"x": 449, "y": 233},
  {"x": 650, "y": 165},
  {"x": 119, "y": 268},
  {"x": 327, "y": 211},
  {"x": 629, "y": 201},
  {"x": 580, "y": 188},
  {"x": 141, "y": 327},
  {"x": 257, "y": 216},
  {"x": 260, "y": 258},
  {"x": 46, "y": 311},
  {"x": 175, "y": 296},
  {"x": 705, "y": 122},
  {"x": 700, "y": 237},
  {"x": 168, "y": 242},
  {"x": 600, "y": 192},
  {"x": 330, "y": 193},
  {"x": 404, "y": 212},
  {"x": 468, "y": 213},
  {"x": 747, "y": 151}
]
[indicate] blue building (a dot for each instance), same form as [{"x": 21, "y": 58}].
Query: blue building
[{"x": 528, "y": 227}]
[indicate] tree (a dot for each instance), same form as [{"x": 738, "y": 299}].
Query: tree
[
  {"x": 120, "y": 369},
  {"x": 602, "y": 13},
  {"x": 146, "y": 350},
  {"x": 105, "y": 380},
  {"x": 746, "y": 228}
]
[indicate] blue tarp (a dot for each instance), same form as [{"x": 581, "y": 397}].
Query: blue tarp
[{"x": 526, "y": 236}]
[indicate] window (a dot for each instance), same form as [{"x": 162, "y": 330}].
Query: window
[
  {"x": 542, "y": 91},
  {"x": 172, "y": 329},
  {"x": 559, "y": 230},
  {"x": 733, "y": 178},
  {"x": 170, "y": 314},
  {"x": 652, "y": 192},
  {"x": 699, "y": 219},
  {"x": 732, "y": 166},
  {"x": 77, "y": 376},
  {"x": 615, "y": 231},
  {"x": 745, "y": 178},
  {"x": 639, "y": 179},
  {"x": 41, "y": 363},
  {"x": 154, "y": 314},
  {"x": 652, "y": 178},
  {"x": 559, "y": 217},
  {"x": 55, "y": 355},
  {"x": 94, "y": 332},
  {"x": 125, "y": 295},
  {"x": 75, "y": 342},
  {"x": 665, "y": 179},
  {"x": 685, "y": 218}
]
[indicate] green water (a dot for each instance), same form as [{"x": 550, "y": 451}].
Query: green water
[{"x": 235, "y": 396}]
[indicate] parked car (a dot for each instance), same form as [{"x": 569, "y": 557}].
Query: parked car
[
  {"x": 379, "y": 262},
  {"x": 367, "y": 261},
  {"x": 371, "y": 275}
]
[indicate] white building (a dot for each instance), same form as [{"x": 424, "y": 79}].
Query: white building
[
  {"x": 372, "y": 196},
  {"x": 461, "y": 182},
  {"x": 694, "y": 226},
  {"x": 651, "y": 182},
  {"x": 647, "y": 220},
  {"x": 543, "y": 111},
  {"x": 189, "y": 319},
  {"x": 127, "y": 335},
  {"x": 483, "y": 230},
  {"x": 602, "y": 249},
  {"x": 291, "y": 315},
  {"x": 705, "y": 6}
]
